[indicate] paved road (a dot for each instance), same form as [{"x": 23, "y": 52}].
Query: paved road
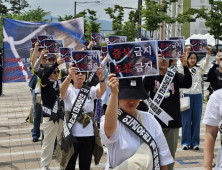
[{"x": 18, "y": 152}]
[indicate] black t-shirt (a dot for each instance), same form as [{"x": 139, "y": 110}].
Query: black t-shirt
[
  {"x": 215, "y": 77},
  {"x": 48, "y": 94},
  {"x": 51, "y": 90},
  {"x": 171, "y": 102}
]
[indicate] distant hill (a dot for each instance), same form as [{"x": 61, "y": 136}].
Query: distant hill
[{"x": 106, "y": 25}]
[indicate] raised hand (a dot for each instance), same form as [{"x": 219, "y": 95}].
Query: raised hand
[{"x": 113, "y": 83}]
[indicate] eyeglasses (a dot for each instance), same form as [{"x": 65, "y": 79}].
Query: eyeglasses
[
  {"x": 56, "y": 71},
  {"x": 80, "y": 72}
]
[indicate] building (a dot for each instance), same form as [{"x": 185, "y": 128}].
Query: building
[{"x": 187, "y": 29}]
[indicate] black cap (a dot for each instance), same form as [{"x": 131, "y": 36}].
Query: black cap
[{"x": 132, "y": 88}]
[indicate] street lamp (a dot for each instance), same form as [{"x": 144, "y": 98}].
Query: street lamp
[{"x": 82, "y": 3}]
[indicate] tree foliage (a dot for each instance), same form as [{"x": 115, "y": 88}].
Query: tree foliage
[
  {"x": 154, "y": 14},
  {"x": 3, "y": 9},
  {"x": 129, "y": 28},
  {"x": 90, "y": 24},
  {"x": 213, "y": 17},
  {"x": 119, "y": 27},
  {"x": 18, "y": 5},
  {"x": 116, "y": 14}
]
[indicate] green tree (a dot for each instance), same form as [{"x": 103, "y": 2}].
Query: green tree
[
  {"x": 94, "y": 27},
  {"x": 129, "y": 28},
  {"x": 65, "y": 18},
  {"x": 154, "y": 15},
  {"x": 213, "y": 18},
  {"x": 18, "y": 5},
  {"x": 116, "y": 14},
  {"x": 3, "y": 9},
  {"x": 34, "y": 15},
  {"x": 90, "y": 24}
]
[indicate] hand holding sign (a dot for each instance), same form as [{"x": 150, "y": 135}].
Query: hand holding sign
[
  {"x": 208, "y": 50},
  {"x": 183, "y": 59},
  {"x": 217, "y": 59},
  {"x": 60, "y": 60},
  {"x": 113, "y": 83},
  {"x": 72, "y": 71},
  {"x": 100, "y": 73}
]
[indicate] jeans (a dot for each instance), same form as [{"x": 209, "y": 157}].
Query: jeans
[
  {"x": 37, "y": 114},
  {"x": 191, "y": 121}
]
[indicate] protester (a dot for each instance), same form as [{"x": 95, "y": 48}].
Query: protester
[
  {"x": 191, "y": 117},
  {"x": 50, "y": 59},
  {"x": 83, "y": 131},
  {"x": 105, "y": 97},
  {"x": 214, "y": 75},
  {"x": 213, "y": 122},
  {"x": 52, "y": 120},
  {"x": 37, "y": 112},
  {"x": 171, "y": 101},
  {"x": 121, "y": 141}
]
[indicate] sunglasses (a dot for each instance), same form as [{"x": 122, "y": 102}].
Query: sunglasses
[
  {"x": 80, "y": 72},
  {"x": 56, "y": 72},
  {"x": 163, "y": 59}
]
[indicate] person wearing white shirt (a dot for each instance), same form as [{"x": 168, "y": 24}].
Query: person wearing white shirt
[
  {"x": 84, "y": 135},
  {"x": 191, "y": 117},
  {"x": 213, "y": 122},
  {"x": 121, "y": 142}
]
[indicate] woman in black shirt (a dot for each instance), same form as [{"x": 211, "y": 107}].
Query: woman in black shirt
[
  {"x": 52, "y": 124},
  {"x": 214, "y": 75}
]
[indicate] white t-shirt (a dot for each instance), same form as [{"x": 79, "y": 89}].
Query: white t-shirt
[
  {"x": 72, "y": 93},
  {"x": 213, "y": 116},
  {"x": 124, "y": 143},
  {"x": 213, "y": 112}
]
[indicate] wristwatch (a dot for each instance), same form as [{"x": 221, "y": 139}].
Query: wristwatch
[{"x": 102, "y": 80}]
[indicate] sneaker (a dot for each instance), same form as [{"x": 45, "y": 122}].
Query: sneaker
[
  {"x": 35, "y": 140},
  {"x": 185, "y": 147},
  {"x": 45, "y": 168},
  {"x": 196, "y": 148}
]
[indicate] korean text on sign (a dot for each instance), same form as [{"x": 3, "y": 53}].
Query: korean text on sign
[
  {"x": 133, "y": 59},
  {"x": 86, "y": 60}
]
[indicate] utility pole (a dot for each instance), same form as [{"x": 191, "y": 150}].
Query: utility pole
[
  {"x": 74, "y": 9},
  {"x": 140, "y": 19}
]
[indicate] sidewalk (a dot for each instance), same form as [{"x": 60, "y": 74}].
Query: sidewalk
[{"x": 18, "y": 152}]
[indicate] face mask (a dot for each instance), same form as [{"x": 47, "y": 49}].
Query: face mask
[{"x": 221, "y": 64}]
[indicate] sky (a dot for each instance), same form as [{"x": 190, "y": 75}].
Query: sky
[{"x": 66, "y": 7}]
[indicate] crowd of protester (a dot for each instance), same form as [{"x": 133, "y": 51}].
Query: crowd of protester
[{"x": 99, "y": 123}]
